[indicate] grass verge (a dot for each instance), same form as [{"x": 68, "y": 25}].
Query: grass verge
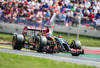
[
  {"x": 85, "y": 40},
  {"x": 6, "y": 37},
  {"x": 19, "y": 61}
]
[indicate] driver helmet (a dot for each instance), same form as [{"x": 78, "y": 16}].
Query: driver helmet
[
  {"x": 47, "y": 30},
  {"x": 49, "y": 35}
]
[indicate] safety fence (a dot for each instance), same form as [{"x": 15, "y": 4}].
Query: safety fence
[{"x": 83, "y": 30}]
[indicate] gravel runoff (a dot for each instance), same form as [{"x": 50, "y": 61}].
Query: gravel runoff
[{"x": 78, "y": 60}]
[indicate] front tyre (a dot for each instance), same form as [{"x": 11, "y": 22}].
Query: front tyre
[
  {"x": 75, "y": 54},
  {"x": 17, "y": 41},
  {"x": 76, "y": 44}
]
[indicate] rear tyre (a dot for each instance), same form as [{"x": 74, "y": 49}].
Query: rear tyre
[
  {"x": 41, "y": 43},
  {"x": 76, "y": 44},
  {"x": 17, "y": 41}
]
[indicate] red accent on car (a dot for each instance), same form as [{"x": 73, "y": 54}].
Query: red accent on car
[
  {"x": 78, "y": 50},
  {"x": 48, "y": 34},
  {"x": 48, "y": 48},
  {"x": 38, "y": 28},
  {"x": 31, "y": 27},
  {"x": 44, "y": 34},
  {"x": 55, "y": 48},
  {"x": 33, "y": 44},
  {"x": 25, "y": 30},
  {"x": 59, "y": 36},
  {"x": 75, "y": 50},
  {"x": 46, "y": 31}
]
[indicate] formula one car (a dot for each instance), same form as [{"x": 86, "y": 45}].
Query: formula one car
[{"x": 43, "y": 41}]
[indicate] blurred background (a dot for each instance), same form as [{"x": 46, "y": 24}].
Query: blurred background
[{"x": 73, "y": 19}]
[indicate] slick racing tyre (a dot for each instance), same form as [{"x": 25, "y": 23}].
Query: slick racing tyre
[
  {"x": 40, "y": 43},
  {"x": 17, "y": 41},
  {"x": 76, "y": 44},
  {"x": 75, "y": 54}
]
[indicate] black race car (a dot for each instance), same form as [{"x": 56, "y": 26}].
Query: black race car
[{"x": 43, "y": 41}]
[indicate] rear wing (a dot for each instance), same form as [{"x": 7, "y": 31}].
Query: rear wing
[
  {"x": 32, "y": 28},
  {"x": 26, "y": 28}
]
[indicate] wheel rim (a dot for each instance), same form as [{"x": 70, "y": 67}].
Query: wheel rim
[
  {"x": 37, "y": 44},
  {"x": 13, "y": 41},
  {"x": 73, "y": 45}
]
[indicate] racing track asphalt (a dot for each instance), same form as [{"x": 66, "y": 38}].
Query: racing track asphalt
[{"x": 66, "y": 58}]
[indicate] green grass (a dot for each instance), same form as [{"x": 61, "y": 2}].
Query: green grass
[
  {"x": 6, "y": 37},
  {"x": 85, "y": 40},
  {"x": 19, "y": 61}
]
